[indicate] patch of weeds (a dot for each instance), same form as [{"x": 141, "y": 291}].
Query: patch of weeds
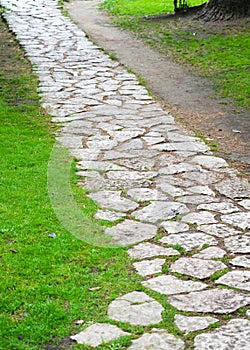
[{"x": 218, "y": 274}]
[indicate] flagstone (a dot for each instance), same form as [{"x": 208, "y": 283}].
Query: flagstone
[
  {"x": 168, "y": 285},
  {"x": 149, "y": 250},
  {"x": 149, "y": 267},
  {"x": 189, "y": 241},
  {"x": 135, "y": 308},
  {"x": 193, "y": 323},
  {"x": 237, "y": 279}
]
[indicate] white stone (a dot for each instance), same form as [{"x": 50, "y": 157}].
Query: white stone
[
  {"x": 242, "y": 260},
  {"x": 189, "y": 241},
  {"x": 210, "y": 162},
  {"x": 241, "y": 220},
  {"x": 245, "y": 203},
  {"x": 193, "y": 323},
  {"x": 238, "y": 244},
  {"x": 146, "y": 194},
  {"x": 149, "y": 267},
  {"x": 113, "y": 200},
  {"x": 135, "y": 308},
  {"x": 149, "y": 250},
  {"x": 234, "y": 335},
  {"x": 210, "y": 253},
  {"x": 223, "y": 207},
  {"x": 169, "y": 285},
  {"x": 158, "y": 339},
  {"x": 174, "y": 226},
  {"x": 218, "y": 230},
  {"x": 237, "y": 279},
  {"x": 109, "y": 215},
  {"x": 98, "y": 334},
  {"x": 199, "y": 218}
]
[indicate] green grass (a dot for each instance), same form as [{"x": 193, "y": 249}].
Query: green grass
[
  {"x": 219, "y": 52},
  {"x": 46, "y": 283}
]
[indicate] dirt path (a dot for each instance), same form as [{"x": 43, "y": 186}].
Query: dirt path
[{"x": 189, "y": 97}]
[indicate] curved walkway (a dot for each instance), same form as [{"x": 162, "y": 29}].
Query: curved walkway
[{"x": 147, "y": 173}]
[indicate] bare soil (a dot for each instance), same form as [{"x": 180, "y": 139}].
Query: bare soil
[{"x": 189, "y": 97}]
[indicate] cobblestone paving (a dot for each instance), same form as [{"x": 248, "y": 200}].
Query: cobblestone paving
[{"x": 133, "y": 158}]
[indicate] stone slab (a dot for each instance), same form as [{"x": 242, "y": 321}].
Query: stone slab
[
  {"x": 242, "y": 260},
  {"x": 150, "y": 250},
  {"x": 135, "y": 308},
  {"x": 189, "y": 241},
  {"x": 158, "y": 339},
  {"x": 218, "y": 301},
  {"x": 168, "y": 285},
  {"x": 149, "y": 267},
  {"x": 241, "y": 220},
  {"x": 193, "y": 323},
  {"x": 210, "y": 253},
  {"x": 195, "y": 267},
  {"x": 113, "y": 200},
  {"x": 237, "y": 279},
  {"x": 234, "y": 335},
  {"x": 131, "y": 232},
  {"x": 98, "y": 334},
  {"x": 238, "y": 244}
]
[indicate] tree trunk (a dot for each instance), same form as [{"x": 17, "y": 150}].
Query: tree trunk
[{"x": 219, "y": 10}]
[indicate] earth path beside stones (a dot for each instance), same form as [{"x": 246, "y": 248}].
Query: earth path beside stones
[{"x": 131, "y": 152}]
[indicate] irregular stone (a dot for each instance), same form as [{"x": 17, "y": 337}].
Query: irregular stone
[
  {"x": 198, "y": 199},
  {"x": 109, "y": 215},
  {"x": 189, "y": 241},
  {"x": 199, "y": 218},
  {"x": 169, "y": 285},
  {"x": 131, "y": 232},
  {"x": 130, "y": 175},
  {"x": 203, "y": 190},
  {"x": 171, "y": 190},
  {"x": 126, "y": 134},
  {"x": 178, "y": 168},
  {"x": 193, "y": 323},
  {"x": 149, "y": 267},
  {"x": 218, "y": 301},
  {"x": 241, "y": 220},
  {"x": 146, "y": 194},
  {"x": 218, "y": 230},
  {"x": 159, "y": 211},
  {"x": 182, "y": 146},
  {"x": 177, "y": 137},
  {"x": 204, "y": 177},
  {"x": 245, "y": 203},
  {"x": 149, "y": 250},
  {"x": 234, "y": 188},
  {"x": 174, "y": 226},
  {"x": 98, "y": 334},
  {"x": 196, "y": 267},
  {"x": 113, "y": 200},
  {"x": 140, "y": 164},
  {"x": 95, "y": 165},
  {"x": 243, "y": 260},
  {"x": 237, "y": 279},
  {"x": 223, "y": 207},
  {"x": 135, "y": 308},
  {"x": 158, "y": 339},
  {"x": 234, "y": 335},
  {"x": 130, "y": 144},
  {"x": 238, "y": 244},
  {"x": 210, "y": 162},
  {"x": 210, "y": 253}
]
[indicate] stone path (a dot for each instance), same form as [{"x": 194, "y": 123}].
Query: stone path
[{"x": 181, "y": 206}]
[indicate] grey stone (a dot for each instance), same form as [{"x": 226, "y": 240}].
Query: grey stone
[
  {"x": 204, "y": 190},
  {"x": 234, "y": 335},
  {"x": 109, "y": 215},
  {"x": 126, "y": 134},
  {"x": 171, "y": 190},
  {"x": 182, "y": 146},
  {"x": 159, "y": 211},
  {"x": 135, "y": 308},
  {"x": 210, "y": 162},
  {"x": 200, "y": 218},
  {"x": 204, "y": 177},
  {"x": 98, "y": 334},
  {"x": 242, "y": 260},
  {"x": 178, "y": 168},
  {"x": 218, "y": 301},
  {"x": 95, "y": 165},
  {"x": 149, "y": 250},
  {"x": 210, "y": 253},
  {"x": 193, "y": 323},
  {"x": 169, "y": 285},
  {"x": 158, "y": 339},
  {"x": 237, "y": 279},
  {"x": 149, "y": 267},
  {"x": 113, "y": 200},
  {"x": 140, "y": 164},
  {"x": 196, "y": 199},
  {"x": 177, "y": 137},
  {"x": 146, "y": 194},
  {"x": 234, "y": 188},
  {"x": 174, "y": 226},
  {"x": 238, "y": 244},
  {"x": 218, "y": 230},
  {"x": 189, "y": 241},
  {"x": 130, "y": 175},
  {"x": 131, "y": 232},
  {"x": 245, "y": 203},
  {"x": 196, "y": 267},
  {"x": 241, "y": 220},
  {"x": 223, "y": 207}
]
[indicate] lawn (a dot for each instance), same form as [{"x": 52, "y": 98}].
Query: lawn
[{"x": 218, "y": 51}]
